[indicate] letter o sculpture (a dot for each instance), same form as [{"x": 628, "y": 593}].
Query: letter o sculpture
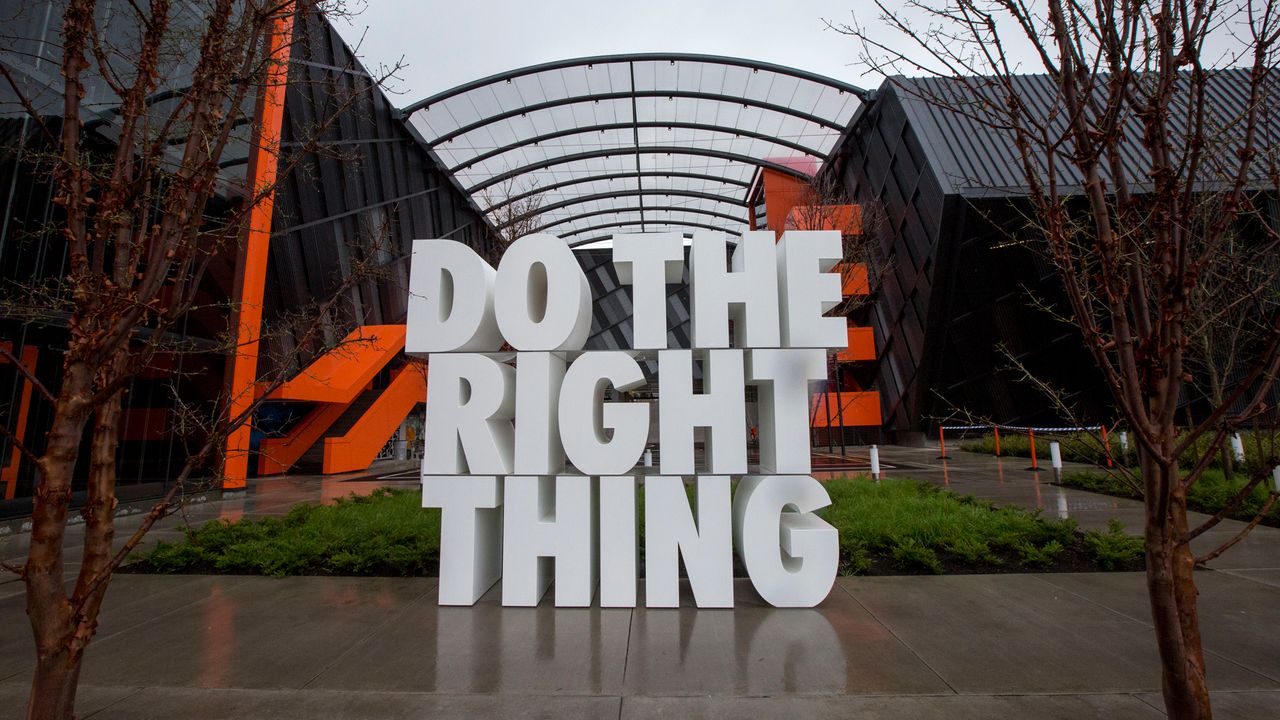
[{"x": 541, "y": 296}]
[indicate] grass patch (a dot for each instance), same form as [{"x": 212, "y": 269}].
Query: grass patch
[
  {"x": 1209, "y": 495},
  {"x": 908, "y": 526},
  {"x": 890, "y": 527},
  {"x": 385, "y": 533}
]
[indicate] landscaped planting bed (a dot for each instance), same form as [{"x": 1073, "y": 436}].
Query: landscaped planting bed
[{"x": 892, "y": 527}]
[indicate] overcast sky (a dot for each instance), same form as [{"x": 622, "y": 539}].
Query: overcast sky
[{"x": 449, "y": 42}]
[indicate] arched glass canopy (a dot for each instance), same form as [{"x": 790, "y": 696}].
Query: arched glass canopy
[{"x": 631, "y": 143}]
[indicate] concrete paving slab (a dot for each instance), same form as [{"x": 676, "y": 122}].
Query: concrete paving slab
[
  {"x": 1245, "y": 705},
  {"x": 1265, "y": 576},
  {"x": 1259, "y": 550},
  {"x": 1237, "y": 617},
  {"x": 253, "y": 632},
  {"x": 89, "y": 699},
  {"x": 1018, "y": 634},
  {"x": 237, "y": 704},
  {"x": 133, "y": 601},
  {"x": 954, "y": 707},
  {"x": 488, "y": 649},
  {"x": 755, "y": 649}
]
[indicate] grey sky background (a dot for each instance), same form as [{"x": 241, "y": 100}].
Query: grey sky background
[{"x": 449, "y": 42}]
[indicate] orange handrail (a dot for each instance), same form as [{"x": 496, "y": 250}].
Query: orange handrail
[{"x": 357, "y": 449}]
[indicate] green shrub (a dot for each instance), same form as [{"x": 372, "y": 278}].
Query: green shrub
[
  {"x": 1114, "y": 549},
  {"x": 896, "y": 524},
  {"x": 385, "y": 533}
]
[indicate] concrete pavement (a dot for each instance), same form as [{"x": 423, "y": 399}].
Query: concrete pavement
[
  {"x": 1070, "y": 646},
  {"x": 973, "y": 646}
]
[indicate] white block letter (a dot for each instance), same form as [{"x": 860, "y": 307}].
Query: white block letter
[
  {"x": 618, "y": 551},
  {"x": 670, "y": 532},
  {"x": 721, "y": 408},
  {"x": 538, "y": 379},
  {"x": 470, "y": 534},
  {"x": 468, "y": 424},
  {"x": 783, "y": 377},
  {"x": 450, "y": 300},
  {"x": 647, "y": 262},
  {"x": 585, "y": 418},
  {"x": 542, "y": 299},
  {"x": 748, "y": 295},
  {"x": 791, "y": 556},
  {"x": 548, "y": 519},
  {"x": 808, "y": 290}
]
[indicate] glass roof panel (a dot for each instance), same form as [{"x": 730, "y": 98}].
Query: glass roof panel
[{"x": 633, "y": 142}]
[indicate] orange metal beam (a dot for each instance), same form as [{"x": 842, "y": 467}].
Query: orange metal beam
[
  {"x": 9, "y": 473},
  {"x": 277, "y": 455},
  {"x": 357, "y": 449},
  {"x": 341, "y": 374},
  {"x": 251, "y": 265}
]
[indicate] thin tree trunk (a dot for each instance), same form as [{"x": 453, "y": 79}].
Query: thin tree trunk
[
  {"x": 1172, "y": 592},
  {"x": 49, "y": 610}
]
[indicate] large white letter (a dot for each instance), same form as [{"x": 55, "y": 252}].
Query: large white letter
[
  {"x": 618, "y": 551},
  {"x": 468, "y": 424},
  {"x": 647, "y": 262},
  {"x": 783, "y": 378},
  {"x": 470, "y": 534},
  {"x": 670, "y": 533},
  {"x": 542, "y": 298},
  {"x": 450, "y": 300},
  {"x": 549, "y": 519},
  {"x": 748, "y": 295},
  {"x": 808, "y": 290},
  {"x": 586, "y": 419},
  {"x": 538, "y": 379},
  {"x": 720, "y": 408},
  {"x": 791, "y": 556}
]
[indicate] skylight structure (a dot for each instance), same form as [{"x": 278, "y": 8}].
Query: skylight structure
[{"x": 590, "y": 147}]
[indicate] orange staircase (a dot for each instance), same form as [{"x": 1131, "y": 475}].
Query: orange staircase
[
  {"x": 341, "y": 374},
  {"x": 357, "y": 448},
  {"x": 352, "y": 420}
]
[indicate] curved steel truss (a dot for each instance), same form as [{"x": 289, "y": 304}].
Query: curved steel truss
[{"x": 668, "y": 141}]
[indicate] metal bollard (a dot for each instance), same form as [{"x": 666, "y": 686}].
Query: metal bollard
[
  {"x": 1237, "y": 447},
  {"x": 1124, "y": 442},
  {"x": 1055, "y": 458},
  {"x": 875, "y": 463},
  {"x": 1275, "y": 479}
]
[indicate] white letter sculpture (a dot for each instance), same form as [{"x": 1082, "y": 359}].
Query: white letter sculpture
[{"x": 534, "y": 471}]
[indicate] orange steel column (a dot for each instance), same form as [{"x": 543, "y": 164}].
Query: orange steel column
[
  {"x": 251, "y": 265},
  {"x": 9, "y": 473}
]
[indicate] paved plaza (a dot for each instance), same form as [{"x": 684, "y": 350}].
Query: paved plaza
[{"x": 964, "y": 646}]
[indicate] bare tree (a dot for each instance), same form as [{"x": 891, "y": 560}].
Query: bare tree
[
  {"x": 514, "y": 208},
  {"x": 1138, "y": 180},
  {"x": 142, "y": 219}
]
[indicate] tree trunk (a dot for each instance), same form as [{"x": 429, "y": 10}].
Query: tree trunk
[
  {"x": 1171, "y": 590},
  {"x": 48, "y": 608},
  {"x": 53, "y": 691}
]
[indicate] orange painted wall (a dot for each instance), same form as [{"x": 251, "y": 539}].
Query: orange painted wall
[
  {"x": 858, "y": 409},
  {"x": 781, "y": 193}
]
